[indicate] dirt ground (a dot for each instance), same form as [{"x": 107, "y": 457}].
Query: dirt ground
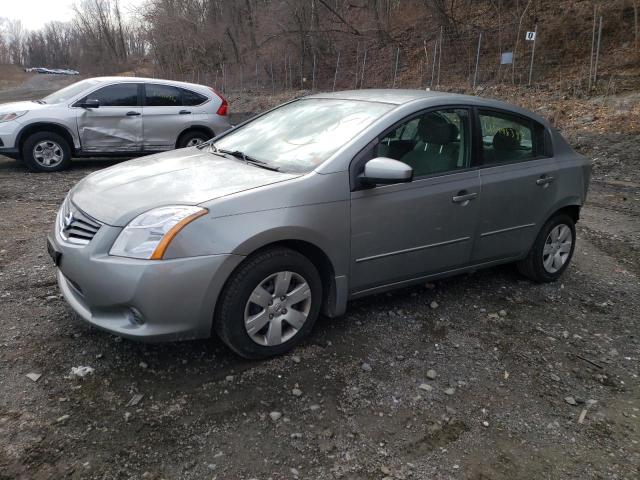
[{"x": 529, "y": 381}]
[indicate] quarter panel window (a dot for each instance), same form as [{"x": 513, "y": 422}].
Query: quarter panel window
[
  {"x": 191, "y": 99},
  {"x": 434, "y": 142},
  {"x": 119, "y": 95},
  {"x": 509, "y": 138},
  {"x": 162, "y": 96}
]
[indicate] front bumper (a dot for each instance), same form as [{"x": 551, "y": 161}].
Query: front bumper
[
  {"x": 149, "y": 300},
  {"x": 8, "y": 134}
]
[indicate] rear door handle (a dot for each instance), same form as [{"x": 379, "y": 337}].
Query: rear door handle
[
  {"x": 544, "y": 180},
  {"x": 132, "y": 114},
  {"x": 464, "y": 197},
  {"x": 184, "y": 112}
]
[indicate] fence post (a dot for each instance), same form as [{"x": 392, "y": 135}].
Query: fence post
[
  {"x": 241, "y": 79},
  {"x": 595, "y": 67},
  {"x": 357, "y": 69},
  {"x": 426, "y": 62},
  {"x": 433, "y": 66},
  {"x": 439, "y": 57},
  {"x": 593, "y": 45},
  {"x": 533, "y": 52},
  {"x": 256, "y": 76},
  {"x": 313, "y": 74},
  {"x": 475, "y": 74},
  {"x": 335, "y": 77},
  {"x": 364, "y": 62},
  {"x": 395, "y": 71},
  {"x": 273, "y": 84}
]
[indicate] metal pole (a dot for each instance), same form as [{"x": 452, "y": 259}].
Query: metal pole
[
  {"x": 313, "y": 75},
  {"x": 241, "y": 79},
  {"x": 593, "y": 46},
  {"x": 533, "y": 52},
  {"x": 395, "y": 71},
  {"x": 439, "y": 58},
  {"x": 357, "y": 64},
  {"x": 224, "y": 80},
  {"x": 256, "y": 76},
  {"x": 335, "y": 77},
  {"x": 595, "y": 67},
  {"x": 273, "y": 83},
  {"x": 433, "y": 66},
  {"x": 426, "y": 61},
  {"x": 364, "y": 62},
  {"x": 475, "y": 74}
]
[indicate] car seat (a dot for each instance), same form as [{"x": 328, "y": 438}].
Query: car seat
[{"x": 437, "y": 148}]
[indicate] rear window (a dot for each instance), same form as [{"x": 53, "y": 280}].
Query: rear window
[
  {"x": 162, "y": 96},
  {"x": 191, "y": 99}
]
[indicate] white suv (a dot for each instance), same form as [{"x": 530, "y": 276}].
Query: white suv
[{"x": 110, "y": 116}]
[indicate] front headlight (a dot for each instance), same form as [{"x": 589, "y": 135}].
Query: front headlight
[
  {"x": 149, "y": 234},
  {"x": 7, "y": 117}
]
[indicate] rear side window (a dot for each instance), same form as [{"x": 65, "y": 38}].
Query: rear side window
[
  {"x": 191, "y": 99},
  {"x": 162, "y": 96},
  {"x": 119, "y": 95},
  {"x": 510, "y": 138}
]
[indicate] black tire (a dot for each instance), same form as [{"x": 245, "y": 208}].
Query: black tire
[
  {"x": 229, "y": 319},
  {"x": 60, "y": 146},
  {"x": 187, "y": 137},
  {"x": 532, "y": 266}
]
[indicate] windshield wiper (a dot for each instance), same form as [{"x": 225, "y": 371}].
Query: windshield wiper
[{"x": 247, "y": 159}]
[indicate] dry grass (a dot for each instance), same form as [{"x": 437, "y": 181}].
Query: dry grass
[{"x": 12, "y": 75}]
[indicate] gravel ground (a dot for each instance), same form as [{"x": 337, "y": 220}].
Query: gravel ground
[{"x": 481, "y": 376}]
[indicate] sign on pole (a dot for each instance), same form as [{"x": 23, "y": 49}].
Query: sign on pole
[{"x": 530, "y": 36}]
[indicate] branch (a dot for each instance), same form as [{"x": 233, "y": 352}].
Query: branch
[{"x": 353, "y": 29}]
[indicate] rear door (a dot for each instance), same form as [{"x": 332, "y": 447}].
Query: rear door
[
  {"x": 116, "y": 125},
  {"x": 518, "y": 177},
  {"x": 164, "y": 116}
]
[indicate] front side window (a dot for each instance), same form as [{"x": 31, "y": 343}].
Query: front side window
[
  {"x": 69, "y": 93},
  {"x": 118, "y": 95},
  {"x": 508, "y": 138},
  {"x": 301, "y": 135},
  {"x": 162, "y": 96},
  {"x": 432, "y": 143}
]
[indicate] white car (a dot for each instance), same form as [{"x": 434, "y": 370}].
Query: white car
[{"x": 110, "y": 116}]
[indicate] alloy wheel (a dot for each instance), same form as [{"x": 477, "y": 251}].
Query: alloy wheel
[
  {"x": 277, "y": 308},
  {"x": 557, "y": 248}
]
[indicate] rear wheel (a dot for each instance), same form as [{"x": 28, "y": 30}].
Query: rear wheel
[
  {"x": 193, "y": 139},
  {"x": 46, "y": 152},
  {"x": 269, "y": 304},
  {"x": 552, "y": 251}
]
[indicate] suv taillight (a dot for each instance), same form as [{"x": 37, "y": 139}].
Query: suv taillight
[{"x": 224, "y": 106}]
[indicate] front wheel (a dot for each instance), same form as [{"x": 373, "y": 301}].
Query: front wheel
[
  {"x": 552, "y": 251},
  {"x": 46, "y": 152},
  {"x": 269, "y": 303}
]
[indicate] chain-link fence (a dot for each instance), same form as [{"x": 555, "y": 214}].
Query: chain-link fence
[{"x": 513, "y": 53}]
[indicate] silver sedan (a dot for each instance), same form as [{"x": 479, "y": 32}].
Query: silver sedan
[{"x": 319, "y": 201}]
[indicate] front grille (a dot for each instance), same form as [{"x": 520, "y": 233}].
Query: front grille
[{"x": 75, "y": 225}]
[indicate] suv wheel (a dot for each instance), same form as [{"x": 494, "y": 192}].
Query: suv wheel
[
  {"x": 269, "y": 304},
  {"x": 192, "y": 139},
  {"x": 552, "y": 251},
  {"x": 46, "y": 152}
]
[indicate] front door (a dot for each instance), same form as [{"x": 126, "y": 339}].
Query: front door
[
  {"x": 518, "y": 185},
  {"x": 406, "y": 231},
  {"x": 116, "y": 125}
]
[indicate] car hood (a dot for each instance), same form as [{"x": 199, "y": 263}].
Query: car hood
[
  {"x": 189, "y": 176},
  {"x": 21, "y": 107}
]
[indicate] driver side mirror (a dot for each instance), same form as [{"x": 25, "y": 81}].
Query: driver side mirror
[
  {"x": 385, "y": 171},
  {"x": 90, "y": 103}
]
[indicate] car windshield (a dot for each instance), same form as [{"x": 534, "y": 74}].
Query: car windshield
[
  {"x": 299, "y": 136},
  {"x": 69, "y": 92}
]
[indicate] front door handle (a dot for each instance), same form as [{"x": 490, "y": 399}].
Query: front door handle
[
  {"x": 544, "y": 180},
  {"x": 463, "y": 197},
  {"x": 132, "y": 114},
  {"x": 184, "y": 112}
]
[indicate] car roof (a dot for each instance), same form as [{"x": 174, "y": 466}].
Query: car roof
[
  {"x": 401, "y": 97},
  {"x": 146, "y": 80}
]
